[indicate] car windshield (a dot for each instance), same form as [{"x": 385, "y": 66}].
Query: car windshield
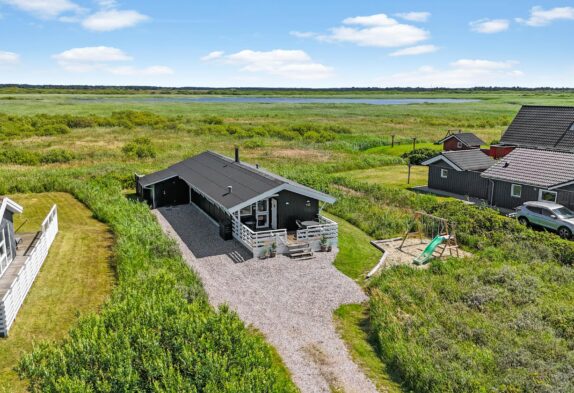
[{"x": 564, "y": 212}]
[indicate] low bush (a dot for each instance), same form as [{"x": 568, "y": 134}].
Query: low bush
[
  {"x": 56, "y": 156},
  {"x": 418, "y": 156},
  {"x": 139, "y": 148}
]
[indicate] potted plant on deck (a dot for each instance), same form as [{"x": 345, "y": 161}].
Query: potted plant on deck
[
  {"x": 273, "y": 250},
  {"x": 324, "y": 244}
]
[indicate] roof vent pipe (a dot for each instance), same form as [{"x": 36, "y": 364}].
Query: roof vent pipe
[
  {"x": 229, "y": 189},
  {"x": 236, "y": 154}
]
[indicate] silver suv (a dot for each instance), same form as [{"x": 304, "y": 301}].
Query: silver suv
[{"x": 549, "y": 215}]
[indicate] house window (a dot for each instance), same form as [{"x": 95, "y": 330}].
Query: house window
[
  {"x": 545, "y": 195},
  {"x": 516, "y": 190},
  {"x": 459, "y": 145},
  {"x": 444, "y": 173},
  {"x": 3, "y": 253},
  {"x": 246, "y": 211}
]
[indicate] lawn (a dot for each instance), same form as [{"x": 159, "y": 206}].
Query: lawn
[
  {"x": 392, "y": 175},
  {"x": 76, "y": 278}
]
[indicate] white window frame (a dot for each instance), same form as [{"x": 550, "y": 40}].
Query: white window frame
[
  {"x": 242, "y": 214},
  {"x": 516, "y": 194},
  {"x": 540, "y": 192},
  {"x": 262, "y": 213},
  {"x": 444, "y": 173},
  {"x": 459, "y": 145}
]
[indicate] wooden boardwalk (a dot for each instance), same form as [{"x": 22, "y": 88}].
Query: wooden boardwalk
[{"x": 24, "y": 249}]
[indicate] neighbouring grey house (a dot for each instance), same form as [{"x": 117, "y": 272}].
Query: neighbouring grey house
[
  {"x": 7, "y": 237},
  {"x": 531, "y": 175},
  {"x": 247, "y": 203},
  {"x": 459, "y": 172},
  {"x": 21, "y": 257}
]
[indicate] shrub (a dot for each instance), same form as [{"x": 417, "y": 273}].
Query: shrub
[
  {"x": 253, "y": 143},
  {"x": 212, "y": 119},
  {"x": 54, "y": 129},
  {"x": 57, "y": 155},
  {"x": 418, "y": 156},
  {"x": 140, "y": 148},
  {"x": 12, "y": 155}
]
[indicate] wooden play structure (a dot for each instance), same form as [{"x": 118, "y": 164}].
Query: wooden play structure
[
  {"x": 414, "y": 248},
  {"x": 427, "y": 225}
]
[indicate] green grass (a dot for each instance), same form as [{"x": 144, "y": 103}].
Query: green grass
[
  {"x": 400, "y": 149},
  {"x": 353, "y": 325},
  {"x": 356, "y": 255},
  {"x": 392, "y": 175},
  {"x": 76, "y": 279}
]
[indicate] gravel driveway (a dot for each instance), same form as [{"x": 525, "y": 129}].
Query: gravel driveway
[{"x": 291, "y": 302}]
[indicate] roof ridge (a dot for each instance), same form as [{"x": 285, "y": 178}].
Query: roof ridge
[{"x": 548, "y": 106}]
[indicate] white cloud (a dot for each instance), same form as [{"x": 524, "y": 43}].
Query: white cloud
[
  {"x": 376, "y": 30},
  {"x": 489, "y": 26},
  {"x": 93, "y": 54},
  {"x": 461, "y": 73},
  {"x": 213, "y": 55},
  {"x": 303, "y": 34},
  {"x": 415, "y": 50},
  {"x": 415, "y": 16},
  {"x": 541, "y": 17},
  {"x": 113, "y": 19},
  {"x": 44, "y": 8},
  {"x": 9, "y": 58},
  {"x": 291, "y": 64},
  {"x": 148, "y": 71},
  {"x": 102, "y": 58}
]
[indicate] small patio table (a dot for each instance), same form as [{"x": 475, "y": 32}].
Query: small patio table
[{"x": 310, "y": 223}]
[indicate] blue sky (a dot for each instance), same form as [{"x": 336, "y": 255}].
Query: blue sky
[{"x": 292, "y": 43}]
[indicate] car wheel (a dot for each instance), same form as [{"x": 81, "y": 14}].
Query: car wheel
[
  {"x": 564, "y": 233},
  {"x": 523, "y": 221}
]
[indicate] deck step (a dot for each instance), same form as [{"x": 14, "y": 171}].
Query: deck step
[{"x": 301, "y": 255}]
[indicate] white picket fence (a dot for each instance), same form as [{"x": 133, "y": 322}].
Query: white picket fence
[{"x": 14, "y": 297}]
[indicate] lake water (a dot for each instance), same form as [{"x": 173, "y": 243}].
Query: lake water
[{"x": 283, "y": 100}]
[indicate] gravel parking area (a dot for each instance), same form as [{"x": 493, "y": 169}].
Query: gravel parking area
[{"x": 291, "y": 302}]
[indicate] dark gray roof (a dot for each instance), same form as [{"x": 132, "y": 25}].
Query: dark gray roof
[
  {"x": 541, "y": 168},
  {"x": 542, "y": 127},
  {"x": 464, "y": 160},
  {"x": 468, "y": 138},
  {"x": 211, "y": 174}
]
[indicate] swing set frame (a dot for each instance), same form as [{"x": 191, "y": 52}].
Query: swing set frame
[{"x": 439, "y": 227}]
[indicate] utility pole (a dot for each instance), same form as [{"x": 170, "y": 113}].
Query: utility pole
[
  {"x": 393, "y": 140},
  {"x": 409, "y": 173},
  {"x": 414, "y": 143}
]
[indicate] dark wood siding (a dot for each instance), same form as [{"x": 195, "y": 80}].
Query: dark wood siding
[
  {"x": 502, "y": 197},
  {"x": 171, "y": 192},
  {"x": 291, "y": 207},
  {"x": 464, "y": 183},
  {"x": 211, "y": 209},
  {"x": 453, "y": 144}
]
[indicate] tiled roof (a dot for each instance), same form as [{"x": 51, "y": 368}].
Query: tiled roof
[
  {"x": 468, "y": 138},
  {"x": 542, "y": 127},
  {"x": 541, "y": 168},
  {"x": 469, "y": 160}
]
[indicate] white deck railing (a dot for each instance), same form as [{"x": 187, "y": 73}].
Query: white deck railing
[
  {"x": 257, "y": 241},
  {"x": 327, "y": 228},
  {"x": 12, "y": 301}
]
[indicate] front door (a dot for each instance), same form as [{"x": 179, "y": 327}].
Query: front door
[
  {"x": 262, "y": 214},
  {"x": 273, "y": 213}
]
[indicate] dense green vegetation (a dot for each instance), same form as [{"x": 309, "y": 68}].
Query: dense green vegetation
[{"x": 498, "y": 321}]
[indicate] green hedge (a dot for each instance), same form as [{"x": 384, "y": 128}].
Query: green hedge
[{"x": 157, "y": 332}]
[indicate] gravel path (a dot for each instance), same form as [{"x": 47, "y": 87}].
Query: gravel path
[{"x": 291, "y": 302}]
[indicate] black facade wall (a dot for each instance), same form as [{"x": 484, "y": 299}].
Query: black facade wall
[
  {"x": 292, "y": 206},
  {"x": 464, "y": 183}
]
